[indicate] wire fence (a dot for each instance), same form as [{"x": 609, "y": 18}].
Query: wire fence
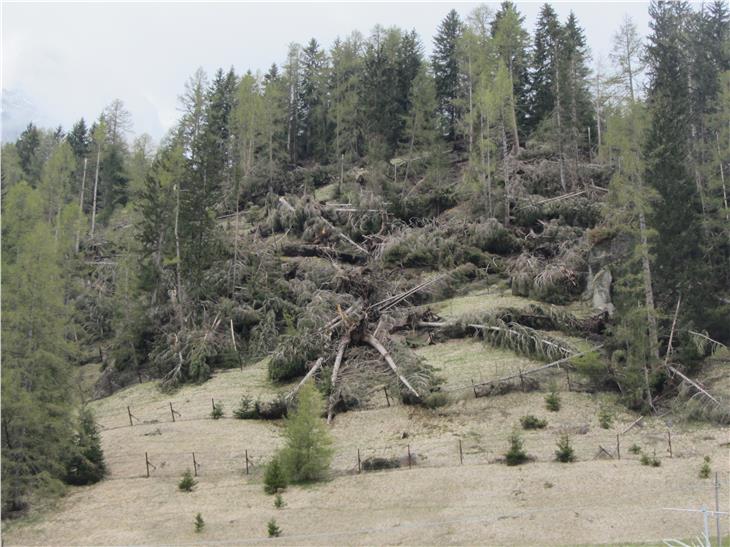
[{"x": 540, "y": 446}]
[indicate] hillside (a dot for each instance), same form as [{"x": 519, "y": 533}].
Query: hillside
[
  {"x": 498, "y": 280},
  {"x": 598, "y": 499}
]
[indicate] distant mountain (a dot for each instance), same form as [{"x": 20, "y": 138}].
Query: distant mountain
[{"x": 18, "y": 110}]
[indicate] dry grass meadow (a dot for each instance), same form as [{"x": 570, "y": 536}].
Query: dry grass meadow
[{"x": 439, "y": 500}]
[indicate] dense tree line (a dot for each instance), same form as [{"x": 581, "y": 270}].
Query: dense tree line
[{"x": 117, "y": 245}]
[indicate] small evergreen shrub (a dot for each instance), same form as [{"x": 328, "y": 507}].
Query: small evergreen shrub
[
  {"x": 605, "y": 418},
  {"x": 516, "y": 454},
  {"x": 552, "y": 401},
  {"x": 565, "y": 452},
  {"x": 86, "y": 464},
  {"x": 187, "y": 482},
  {"x": 247, "y": 409},
  {"x": 275, "y": 477},
  {"x": 273, "y": 528},
  {"x": 532, "y": 422},
  {"x": 376, "y": 464},
  {"x": 199, "y": 523},
  {"x": 705, "y": 470},
  {"x": 436, "y": 400},
  {"x": 635, "y": 449},
  {"x": 651, "y": 461},
  {"x": 217, "y": 411},
  {"x": 279, "y": 501}
]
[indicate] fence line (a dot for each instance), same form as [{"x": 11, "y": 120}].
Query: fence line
[{"x": 357, "y": 458}]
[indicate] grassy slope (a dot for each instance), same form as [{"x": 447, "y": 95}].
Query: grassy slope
[{"x": 438, "y": 501}]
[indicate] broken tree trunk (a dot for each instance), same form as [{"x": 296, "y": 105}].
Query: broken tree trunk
[
  {"x": 335, "y": 371},
  {"x": 375, "y": 343},
  {"x": 307, "y": 376},
  {"x": 694, "y": 384}
]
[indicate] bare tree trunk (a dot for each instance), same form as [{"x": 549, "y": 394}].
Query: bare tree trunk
[
  {"x": 81, "y": 207},
  {"x": 558, "y": 108},
  {"x": 96, "y": 184},
  {"x": 513, "y": 108},
  {"x": 375, "y": 343},
  {"x": 648, "y": 291},
  {"x": 505, "y": 171},
  {"x": 178, "y": 262},
  {"x": 490, "y": 205},
  {"x": 722, "y": 176},
  {"x": 471, "y": 109}
]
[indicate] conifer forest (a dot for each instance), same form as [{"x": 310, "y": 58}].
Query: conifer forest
[{"x": 464, "y": 248}]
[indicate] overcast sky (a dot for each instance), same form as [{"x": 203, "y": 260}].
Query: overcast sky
[{"x": 62, "y": 61}]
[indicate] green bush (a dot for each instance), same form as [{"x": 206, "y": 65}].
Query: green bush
[
  {"x": 279, "y": 501},
  {"x": 273, "y": 529},
  {"x": 376, "y": 464},
  {"x": 532, "y": 422},
  {"x": 199, "y": 523},
  {"x": 552, "y": 401},
  {"x": 605, "y": 418},
  {"x": 635, "y": 449},
  {"x": 651, "y": 461},
  {"x": 705, "y": 470},
  {"x": 516, "y": 454},
  {"x": 308, "y": 450},
  {"x": 217, "y": 411},
  {"x": 86, "y": 464},
  {"x": 247, "y": 409},
  {"x": 275, "y": 477},
  {"x": 187, "y": 482},
  {"x": 565, "y": 452},
  {"x": 593, "y": 368}
]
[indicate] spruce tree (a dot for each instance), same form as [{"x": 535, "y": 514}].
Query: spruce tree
[
  {"x": 445, "y": 64},
  {"x": 544, "y": 67},
  {"x": 676, "y": 216}
]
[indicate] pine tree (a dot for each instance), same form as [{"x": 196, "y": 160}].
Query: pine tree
[
  {"x": 86, "y": 464},
  {"x": 308, "y": 450},
  {"x": 314, "y": 100},
  {"x": 577, "y": 117},
  {"x": 445, "y": 64},
  {"x": 676, "y": 216},
  {"x": 344, "y": 85},
  {"x": 544, "y": 67},
  {"x": 28, "y": 148}
]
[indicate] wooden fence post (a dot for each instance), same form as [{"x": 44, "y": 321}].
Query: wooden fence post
[
  {"x": 669, "y": 441},
  {"x": 195, "y": 465},
  {"x": 461, "y": 454},
  {"x": 246, "y": 462},
  {"x": 212, "y": 403},
  {"x": 618, "y": 446},
  {"x": 387, "y": 399},
  {"x": 567, "y": 374},
  {"x": 147, "y": 464},
  {"x": 130, "y": 417},
  {"x": 409, "y": 456},
  {"x": 522, "y": 381},
  {"x": 172, "y": 413},
  {"x": 359, "y": 463}
]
